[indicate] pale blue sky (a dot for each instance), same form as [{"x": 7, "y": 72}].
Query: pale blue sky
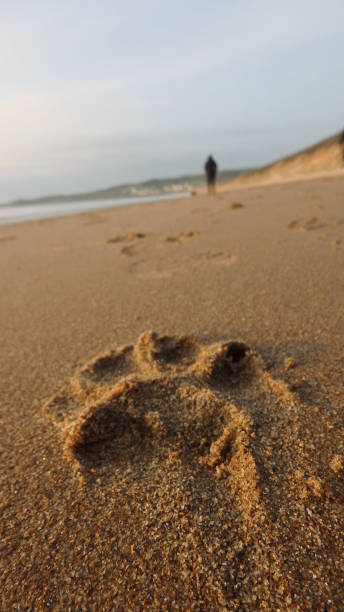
[{"x": 96, "y": 93}]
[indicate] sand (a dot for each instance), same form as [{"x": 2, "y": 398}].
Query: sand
[{"x": 171, "y": 405}]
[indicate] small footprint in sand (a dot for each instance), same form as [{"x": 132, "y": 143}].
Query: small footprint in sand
[
  {"x": 312, "y": 223},
  {"x": 126, "y": 237},
  {"x": 336, "y": 244},
  {"x": 7, "y": 238},
  {"x": 224, "y": 257},
  {"x": 129, "y": 251},
  {"x": 173, "y": 393},
  {"x": 214, "y": 405},
  {"x": 159, "y": 389},
  {"x": 180, "y": 238},
  {"x": 234, "y": 206},
  {"x": 332, "y": 229},
  {"x": 165, "y": 269}
]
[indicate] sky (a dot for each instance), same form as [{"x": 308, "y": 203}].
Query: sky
[{"x": 97, "y": 93}]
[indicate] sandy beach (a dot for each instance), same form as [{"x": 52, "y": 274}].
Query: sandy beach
[{"x": 171, "y": 404}]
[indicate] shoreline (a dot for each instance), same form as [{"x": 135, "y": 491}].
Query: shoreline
[{"x": 71, "y": 208}]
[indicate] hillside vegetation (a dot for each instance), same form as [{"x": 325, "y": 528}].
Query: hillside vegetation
[{"x": 324, "y": 156}]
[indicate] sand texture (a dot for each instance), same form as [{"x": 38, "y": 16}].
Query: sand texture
[{"x": 171, "y": 405}]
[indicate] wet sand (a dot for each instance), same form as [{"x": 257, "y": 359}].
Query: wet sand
[{"x": 171, "y": 405}]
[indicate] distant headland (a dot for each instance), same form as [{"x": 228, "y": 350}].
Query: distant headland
[{"x": 151, "y": 187}]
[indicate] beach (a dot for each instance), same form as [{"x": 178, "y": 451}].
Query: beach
[{"x": 171, "y": 404}]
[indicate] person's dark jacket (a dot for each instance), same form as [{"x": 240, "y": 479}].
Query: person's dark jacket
[{"x": 210, "y": 169}]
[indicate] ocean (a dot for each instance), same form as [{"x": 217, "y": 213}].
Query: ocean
[{"x": 15, "y": 213}]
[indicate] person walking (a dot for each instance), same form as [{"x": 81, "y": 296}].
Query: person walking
[{"x": 210, "y": 170}]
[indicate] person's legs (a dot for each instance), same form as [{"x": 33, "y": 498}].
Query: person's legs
[{"x": 211, "y": 186}]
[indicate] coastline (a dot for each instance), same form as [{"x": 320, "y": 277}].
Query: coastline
[{"x": 51, "y": 210}]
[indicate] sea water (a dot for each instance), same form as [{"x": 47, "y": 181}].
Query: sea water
[{"x": 15, "y": 213}]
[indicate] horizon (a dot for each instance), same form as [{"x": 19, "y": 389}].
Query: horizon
[
  {"x": 141, "y": 91},
  {"x": 152, "y": 179}
]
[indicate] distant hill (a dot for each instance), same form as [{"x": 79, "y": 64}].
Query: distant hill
[
  {"x": 323, "y": 156},
  {"x": 152, "y": 187}
]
